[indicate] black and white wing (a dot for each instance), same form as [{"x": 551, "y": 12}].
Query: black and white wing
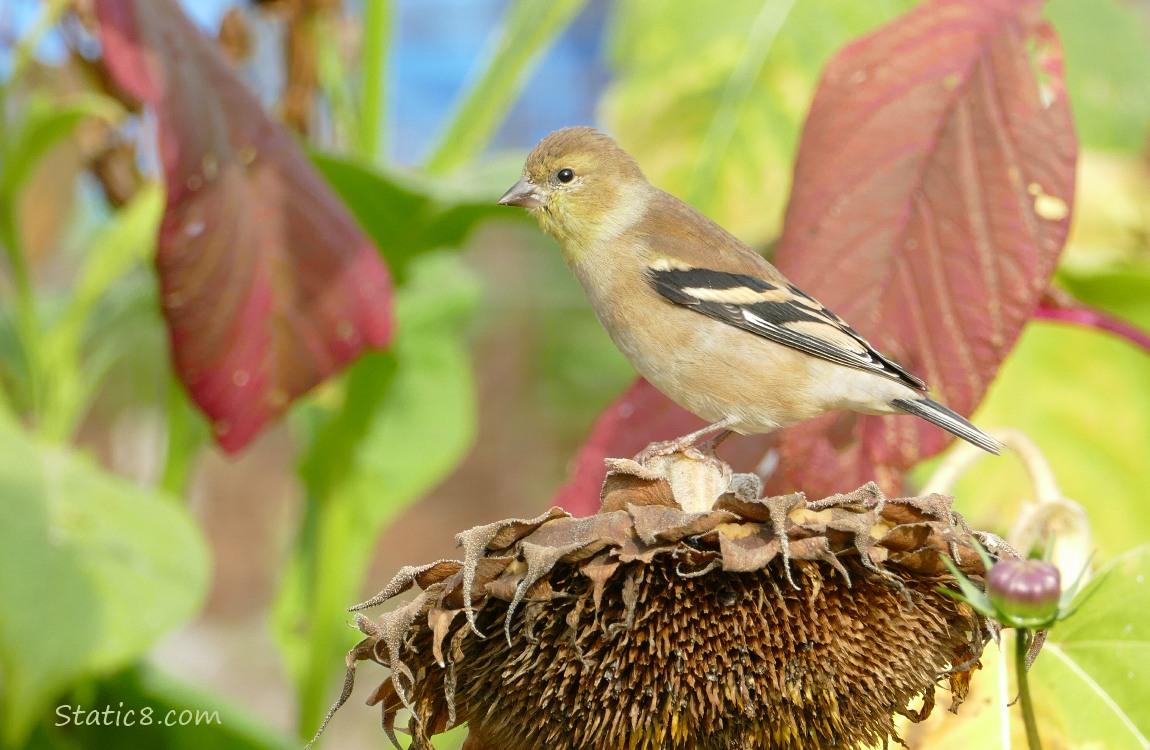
[{"x": 780, "y": 313}]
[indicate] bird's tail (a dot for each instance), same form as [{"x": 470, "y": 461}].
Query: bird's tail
[{"x": 937, "y": 414}]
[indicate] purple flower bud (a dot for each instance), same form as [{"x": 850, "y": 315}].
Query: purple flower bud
[{"x": 1025, "y": 593}]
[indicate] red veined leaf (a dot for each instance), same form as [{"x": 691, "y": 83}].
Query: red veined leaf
[
  {"x": 268, "y": 284},
  {"x": 932, "y": 198}
]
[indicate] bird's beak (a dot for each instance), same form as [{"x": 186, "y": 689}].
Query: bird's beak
[{"x": 523, "y": 194}]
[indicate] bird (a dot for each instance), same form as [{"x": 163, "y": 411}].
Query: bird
[{"x": 702, "y": 316}]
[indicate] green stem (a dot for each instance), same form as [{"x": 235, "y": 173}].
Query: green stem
[
  {"x": 334, "y": 560},
  {"x": 529, "y": 29},
  {"x": 27, "y": 323},
  {"x": 1022, "y": 637},
  {"x": 377, "y": 17},
  {"x": 186, "y": 433},
  {"x": 740, "y": 86},
  {"x": 26, "y": 48}
]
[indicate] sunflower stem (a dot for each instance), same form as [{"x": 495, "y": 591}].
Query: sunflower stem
[{"x": 1022, "y": 637}]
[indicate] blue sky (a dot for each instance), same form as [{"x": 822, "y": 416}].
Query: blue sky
[{"x": 438, "y": 47}]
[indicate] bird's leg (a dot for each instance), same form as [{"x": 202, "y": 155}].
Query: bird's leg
[
  {"x": 710, "y": 445},
  {"x": 687, "y": 443}
]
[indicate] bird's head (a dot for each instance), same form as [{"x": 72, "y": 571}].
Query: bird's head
[{"x": 579, "y": 184}]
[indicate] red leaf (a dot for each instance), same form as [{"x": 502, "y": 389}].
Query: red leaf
[
  {"x": 269, "y": 286},
  {"x": 932, "y": 196}
]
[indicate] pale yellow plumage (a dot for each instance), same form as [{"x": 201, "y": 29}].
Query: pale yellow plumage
[{"x": 699, "y": 314}]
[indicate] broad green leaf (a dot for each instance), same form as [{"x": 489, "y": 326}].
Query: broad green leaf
[
  {"x": 122, "y": 335},
  {"x": 166, "y": 714},
  {"x": 1107, "y": 45},
  {"x": 709, "y": 114},
  {"x": 529, "y": 29},
  {"x": 1123, "y": 291},
  {"x": 407, "y": 419},
  {"x": 735, "y": 97},
  {"x": 1081, "y": 395},
  {"x": 92, "y": 571},
  {"x": 408, "y": 216},
  {"x": 1094, "y": 671},
  {"x": 428, "y": 416}
]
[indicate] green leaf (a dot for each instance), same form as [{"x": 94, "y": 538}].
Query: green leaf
[
  {"x": 1107, "y": 45},
  {"x": 92, "y": 571},
  {"x": 47, "y": 122},
  {"x": 427, "y": 419},
  {"x": 408, "y": 217},
  {"x": 1094, "y": 670},
  {"x": 122, "y": 335},
  {"x": 1123, "y": 291},
  {"x": 529, "y": 29},
  {"x": 735, "y": 98},
  {"x": 14, "y": 374},
  {"x": 123, "y": 243},
  {"x": 405, "y": 422},
  {"x": 714, "y": 113}
]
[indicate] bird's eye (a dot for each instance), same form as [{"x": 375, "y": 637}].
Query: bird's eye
[{"x": 565, "y": 175}]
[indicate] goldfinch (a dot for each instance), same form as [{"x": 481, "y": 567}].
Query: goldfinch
[{"x": 705, "y": 319}]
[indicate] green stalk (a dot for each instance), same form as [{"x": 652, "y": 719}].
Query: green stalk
[
  {"x": 1021, "y": 638},
  {"x": 738, "y": 90},
  {"x": 529, "y": 29},
  {"x": 377, "y": 23},
  {"x": 27, "y": 322},
  {"x": 186, "y": 434},
  {"x": 24, "y": 51}
]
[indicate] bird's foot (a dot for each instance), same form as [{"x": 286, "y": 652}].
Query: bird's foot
[{"x": 682, "y": 445}]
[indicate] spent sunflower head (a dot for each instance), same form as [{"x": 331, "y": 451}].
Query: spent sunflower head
[{"x": 759, "y": 622}]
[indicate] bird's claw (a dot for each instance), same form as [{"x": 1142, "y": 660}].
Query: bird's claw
[
  {"x": 703, "y": 453},
  {"x": 689, "y": 445},
  {"x": 667, "y": 448}
]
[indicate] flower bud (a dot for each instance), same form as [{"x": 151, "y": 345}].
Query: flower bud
[{"x": 1025, "y": 593}]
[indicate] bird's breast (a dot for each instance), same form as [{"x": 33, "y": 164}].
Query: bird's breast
[{"x": 708, "y": 367}]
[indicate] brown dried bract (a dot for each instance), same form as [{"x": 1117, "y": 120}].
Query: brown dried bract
[{"x": 761, "y": 623}]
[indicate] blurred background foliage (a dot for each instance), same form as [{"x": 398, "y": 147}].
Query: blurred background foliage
[{"x": 138, "y": 565}]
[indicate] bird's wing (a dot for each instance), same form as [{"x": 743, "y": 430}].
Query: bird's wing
[{"x": 773, "y": 309}]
